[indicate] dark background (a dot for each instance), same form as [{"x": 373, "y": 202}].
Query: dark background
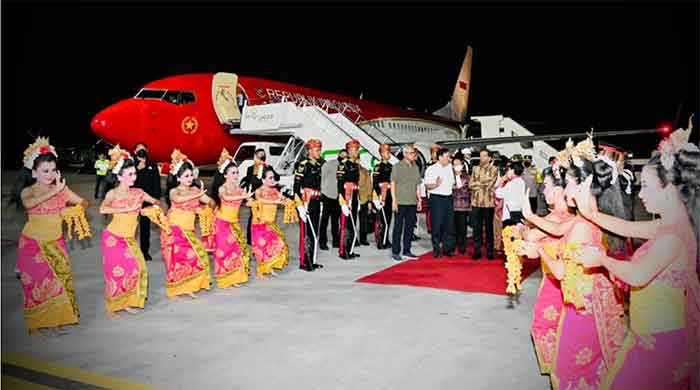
[{"x": 550, "y": 67}]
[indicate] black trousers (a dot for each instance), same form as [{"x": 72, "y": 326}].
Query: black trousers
[
  {"x": 533, "y": 204},
  {"x": 481, "y": 216},
  {"x": 98, "y": 186},
  {"x": 516, "y": 217},
  {"x": 405, "y": 223},
  {"x": 461, "y": 223},
  {"x": 381, "y": 226},
  {"x": 442, "y": 219},
  {"x": 331, "y": 211},
  {"x": 145, "y": 234},
  {"x": 364, "y": 222},
  {"x": 307, "y": 243},
  {"x": 347, "y": 230}
]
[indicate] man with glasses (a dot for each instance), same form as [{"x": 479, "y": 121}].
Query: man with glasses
[{"x": 406, "y": 201}]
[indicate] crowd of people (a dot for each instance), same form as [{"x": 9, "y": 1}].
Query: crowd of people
[{"x": 607, "y": 315}]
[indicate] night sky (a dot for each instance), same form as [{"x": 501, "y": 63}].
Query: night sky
[{"x": 549, "y": 67}]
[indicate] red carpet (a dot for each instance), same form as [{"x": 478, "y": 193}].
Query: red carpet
[{"x": 459, "y": 273}]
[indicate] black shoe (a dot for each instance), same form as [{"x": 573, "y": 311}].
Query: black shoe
[
  {"x": 354, "y": 255},
  {"x": 318, "y": 266},
  {"x": 147, "y": 257},
  {"x": 345, "y": 256},
  {"x": 436, "y": 254},
  {"x": 323, "y": 247},
  {"x": 306, "y": 268},
  {"x": 448, "y": 254},
  {"x": 489, "y": 256},
  {"x": 476, "y": 256},
  {"x": 409, "y": 256}
]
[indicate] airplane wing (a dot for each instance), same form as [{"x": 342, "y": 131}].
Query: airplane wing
[{"x": 478, "y": 142}]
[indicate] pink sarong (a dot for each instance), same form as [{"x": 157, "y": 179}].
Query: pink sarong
[
  {"x": 125, "y": 272},
  {"x": 231, "y": 258}
]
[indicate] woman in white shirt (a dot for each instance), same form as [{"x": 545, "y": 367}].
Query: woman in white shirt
[{"x": 511, "y": 188}]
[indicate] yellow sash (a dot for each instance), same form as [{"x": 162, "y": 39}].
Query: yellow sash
[
  {"x": 183, "y": 219},
  {"x": 124, "y": 224},
  {"x": 656, "y": 307},
  {"x": 44, "y": 227},
  {"x": 228, "y": 213}
]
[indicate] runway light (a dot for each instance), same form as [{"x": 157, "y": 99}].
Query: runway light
[{"x": 665, "y": 129}]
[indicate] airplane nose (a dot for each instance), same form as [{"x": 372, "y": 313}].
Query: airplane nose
[
  {"x": 116, "y": 122},
  {"x": 99, "y": 124}
]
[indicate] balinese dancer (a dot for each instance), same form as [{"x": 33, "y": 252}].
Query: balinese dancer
[
  {"x": 42, "y": 260},
  {"x": 269, "y": 243},
  {"x": 231, "y": 257},
  {"x": 307, "y": 191},
  {"x": 660, "y": 350},
  {"x": 123, "y": 262},
  {"x": 591, "y": 325},
  {"x": 186, "y": 260},
  {"x": 549, "y": 304},
  {"x": 382, "y": 188},
  {"x": 349, "y": 198}
]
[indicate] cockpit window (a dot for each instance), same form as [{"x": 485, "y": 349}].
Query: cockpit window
[
  {"x": 174, "y": 97},
  {"x": 187, "y": 97},
  {"x": 150, "y": 94}
]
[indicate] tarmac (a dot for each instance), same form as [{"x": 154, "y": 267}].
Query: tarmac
[{"x": 318, "y": 330}]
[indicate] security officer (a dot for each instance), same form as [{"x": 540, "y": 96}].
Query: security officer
[
  {"x": 382, "y": 189},
  {"x": 307, "y": 191},
  {"x": 349, "y": 199}
]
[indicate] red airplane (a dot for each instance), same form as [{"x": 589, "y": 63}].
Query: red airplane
[{"x": 197, "y": 112}]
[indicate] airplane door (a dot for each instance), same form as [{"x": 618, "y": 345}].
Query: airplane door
[{"x": 223, "y": 97}]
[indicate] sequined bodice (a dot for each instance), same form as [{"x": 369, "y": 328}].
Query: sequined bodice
[{"x": 53, "y": 205}]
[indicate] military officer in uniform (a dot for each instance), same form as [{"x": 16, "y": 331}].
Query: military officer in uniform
[
  {"x": 307, "y": 191},
  {"x": 349, "y": 199},
  {"x": 382, "y": 190}
]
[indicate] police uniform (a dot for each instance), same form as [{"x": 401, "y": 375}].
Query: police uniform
[
  {"x": 307, "y": 188},
  {"x": 348, "y": 192},
  {"x": 382, "y": 189}
]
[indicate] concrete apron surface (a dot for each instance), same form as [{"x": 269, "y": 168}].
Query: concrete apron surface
[{"x": 317, "y": 330}]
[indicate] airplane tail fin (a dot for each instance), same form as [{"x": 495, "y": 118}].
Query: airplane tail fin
[{"x": 456, "y": 109}]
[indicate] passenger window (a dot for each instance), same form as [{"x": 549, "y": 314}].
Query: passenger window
[{"x": 276, "y": 150}]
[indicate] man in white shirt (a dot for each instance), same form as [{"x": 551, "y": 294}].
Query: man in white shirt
[
  {"x": 439, "y": 180},
  {"x": 511, "y": 189}
]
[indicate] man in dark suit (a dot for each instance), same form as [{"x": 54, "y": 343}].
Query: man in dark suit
[{"x": 147, "y": 179}]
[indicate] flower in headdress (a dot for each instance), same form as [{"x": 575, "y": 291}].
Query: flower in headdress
[
  {"x": 177, "y": 158},
  {"x": 39, "y": 147},
  {"x": 224, "y": 160},
  {"x": 671, "y": 145},
  {"x": 117, "y": 156}
]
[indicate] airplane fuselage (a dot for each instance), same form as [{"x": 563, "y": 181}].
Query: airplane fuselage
[{"x": 178, "y": 112}]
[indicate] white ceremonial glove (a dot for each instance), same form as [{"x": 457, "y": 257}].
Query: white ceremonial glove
[
  {"x": 302, "y": 213},
  {"x": 378, "y": 204},
  {"x": 346, "y": 210}
]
